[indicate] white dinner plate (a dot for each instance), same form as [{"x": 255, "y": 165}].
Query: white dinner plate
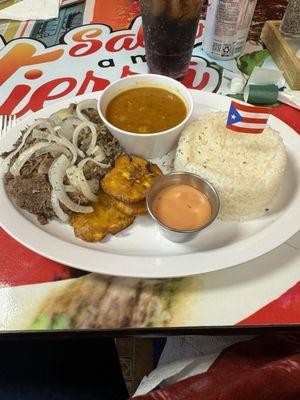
[{"x": 140, "y": 250}]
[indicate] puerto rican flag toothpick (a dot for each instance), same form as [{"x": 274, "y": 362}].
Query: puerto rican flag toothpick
[{"x": 245, "y": 118}]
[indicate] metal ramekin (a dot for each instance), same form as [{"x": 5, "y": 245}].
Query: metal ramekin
[{"x": 183, "y": 178}]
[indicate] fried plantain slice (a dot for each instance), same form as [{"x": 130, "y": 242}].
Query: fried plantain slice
[
  {"x": 105, "y": 219},
  {"x": 132, "y": 209},
  {"x": 130, "y": 179}
]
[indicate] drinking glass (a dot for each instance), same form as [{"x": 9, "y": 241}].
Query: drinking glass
[{"x": 170, "y": 27}]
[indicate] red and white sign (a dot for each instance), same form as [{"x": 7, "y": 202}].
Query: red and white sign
[{"x": 89, "y": 58}]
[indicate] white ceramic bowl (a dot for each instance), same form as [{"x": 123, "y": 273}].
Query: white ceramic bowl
[{"x": 150, "y": 145}]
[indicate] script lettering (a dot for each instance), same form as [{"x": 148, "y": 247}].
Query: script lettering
[
  {"x": 43, "y": 93},
  {"x": 97, "y": 83},
  {"x": 87, "y": 44},
  {"x": 23, "y": 54},
  {"x": 15, "y": 97}
]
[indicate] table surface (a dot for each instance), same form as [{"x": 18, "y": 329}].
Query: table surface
[{"x": 37, "y": 294}]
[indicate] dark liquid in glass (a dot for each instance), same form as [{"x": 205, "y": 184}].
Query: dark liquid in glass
[{"x": 170, "y": 35}]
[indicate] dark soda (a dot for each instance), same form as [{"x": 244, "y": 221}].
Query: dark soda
[{"x": 170, "y": 27}]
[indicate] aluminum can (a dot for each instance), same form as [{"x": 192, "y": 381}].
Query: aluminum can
[{"x": 227, "y": 26}]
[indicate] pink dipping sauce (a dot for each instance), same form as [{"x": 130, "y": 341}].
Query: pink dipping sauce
[{"x": 182, "y": 207}]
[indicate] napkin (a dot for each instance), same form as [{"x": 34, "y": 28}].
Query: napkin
[
  {"x": 183, "y": 357},
  {"x": 31, "y": 9},
  {"x": 266, "y": 76}
]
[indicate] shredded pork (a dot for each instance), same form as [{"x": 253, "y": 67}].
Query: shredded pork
[{"x": 31, "y": 190}]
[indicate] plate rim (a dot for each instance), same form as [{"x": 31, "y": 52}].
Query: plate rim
[{"x": 112, "y": 263}]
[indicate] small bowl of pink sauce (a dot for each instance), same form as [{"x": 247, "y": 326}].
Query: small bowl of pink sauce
[{"x": 182, "y": 204}]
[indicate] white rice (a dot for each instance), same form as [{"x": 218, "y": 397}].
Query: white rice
[{"x": 245, "y": 169}]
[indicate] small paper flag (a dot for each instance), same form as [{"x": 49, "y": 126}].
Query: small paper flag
[{"x": 245, "y": 118}]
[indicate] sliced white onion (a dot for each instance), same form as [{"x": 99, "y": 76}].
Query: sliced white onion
[
  {"x": 99, "y": 159},
  {"x": 93, "y": 132},
  {"x": 98, "y": 153},
  {"x": 26, "y": 155},
  {"x": 66, "y": 127},
  {"x": 90, "y": 103},
  {"x": 43, "y": 123},
  {"x": 55, "y": 120},
  {"x": 93, "y": 142},
  {"x": 74, "y": 120},
  {"x": 54, "y": 148},
  {"x": 83, "y": 162},
  {"x": 63, "y": 114},
  {"x": 57, "y": 208},
  {"x": 76, "y": 133},
  {"x": 39, "y": 122},
  {"x": 70, "y": 189},
  {"x": 56, "y": 175},
  {"x": 78, "y": 180},
  {"x": 65, "y": 199},
  {"x": 59, "y": 140}
]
